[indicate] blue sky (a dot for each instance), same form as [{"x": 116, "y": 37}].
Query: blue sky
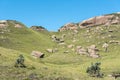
[{"x": 52, "y": 14}]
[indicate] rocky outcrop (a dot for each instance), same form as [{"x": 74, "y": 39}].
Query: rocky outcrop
[
  {"x": 105, "y": 20},
  {"x": 38, "y": 28},
  {"x": 3, "y": 23},
  {"x": 37, "y": 54},
  {"x": 69, "y": 26},
  {"x": 52, "y": 50},
  {"x": 11, "y": 23},
  {"x": 92, "y": 51},
  {"x": 81, "y": 50}
]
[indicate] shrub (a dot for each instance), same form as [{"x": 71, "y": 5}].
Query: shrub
[
  {"x": 20, "y": 62},
  {"x": 94, "y": 70}
]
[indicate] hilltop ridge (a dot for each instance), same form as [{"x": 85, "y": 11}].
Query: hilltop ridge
[{"x": 105, "y": 20}]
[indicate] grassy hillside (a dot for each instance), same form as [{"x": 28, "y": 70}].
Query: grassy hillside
[
  {"x": 58, "y": 65},
  {"x": 24, "y": 39}
]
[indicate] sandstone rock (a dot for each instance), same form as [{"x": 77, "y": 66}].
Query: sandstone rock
[
  {"x": 38, "y": 28},
  {"x": 18, "y": 26},
  {"x": 99, "y": 20},
  {"x": 70, "y": 46},
  {"x": 81, "y": 50},
  {"x": 49, "y": 50},
  {"x": 52, "y": 50},
  {"x": 69, "y": 26},
  {"x": 105, "y": 20},
  {"x": 3, "y": 23},
  {"x": 37, "y": 54},
  {"x": 76, "y": 31},
  {"x": 92, "y": 50},
  {"x": 114, "y": 41},
  {"x": 53, "y": 36}
]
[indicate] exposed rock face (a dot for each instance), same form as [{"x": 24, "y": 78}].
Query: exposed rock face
[
  {"x": 38, "y": 28},
  {"x": 69, "y": 26},
  {"x": 105, "y": 20},
  {"x": 100, "y": 20}
]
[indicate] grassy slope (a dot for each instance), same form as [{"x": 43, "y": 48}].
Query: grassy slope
[
  {"x": 58, "y": 65},
  {"x": 24, "y": 39}
]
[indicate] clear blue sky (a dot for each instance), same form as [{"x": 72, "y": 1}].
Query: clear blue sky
[{"x": 52, "y": 14}]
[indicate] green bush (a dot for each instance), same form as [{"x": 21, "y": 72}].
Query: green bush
[
  {"x": 94, "y": 70},
  {"x": 20, "y": 62}
]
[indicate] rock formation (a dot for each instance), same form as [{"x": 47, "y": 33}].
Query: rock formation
[
  {"x": 105, "y": 20},
  {"x": 38, "y": 28}
]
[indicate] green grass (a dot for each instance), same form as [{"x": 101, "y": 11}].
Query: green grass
[
  {"x": 59, "y": 65},
  {"x": 24, "y": 39}
]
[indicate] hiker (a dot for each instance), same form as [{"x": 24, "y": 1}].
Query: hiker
[{"x": 105, "y": 46}]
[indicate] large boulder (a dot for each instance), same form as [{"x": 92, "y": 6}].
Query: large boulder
[
  {"x": 81, "y": 50},
  {"x": 92, "y": 51},
  {"x": 37, "y": 54}
]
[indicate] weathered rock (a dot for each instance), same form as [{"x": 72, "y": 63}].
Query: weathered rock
[
  {"x": 69, "y": 26},
  {"x": 18, "y": 25},
  {"x": 105, "y": 20},
  {"x": 76, "y": 31},
  {"x": 92, "y": 51},
  {"x": 49, "y": 50},
  {"x": 100, "y": 20},
  {"x": 56, "y": 39},
  {"x": 52, "y": 50},
  {"x": 3, "y": 24},
  {"x": 70, "y": 46},
  {"x": 110, "y": 31},
  {"x": 66, "y": 52},
  {"x": 38, "y": 28},
  {"x": 105, "y": 45},
  {"x": 37, "y": 54},
  {"x": 53, "y": 36},
  {"x": 115, "y": 75},
  {"x": 81, "y": 50},
  {"x": 114, "y": 41}
]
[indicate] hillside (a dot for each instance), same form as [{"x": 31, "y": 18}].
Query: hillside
[
  {"x": 65, "y": 61},
  {"x": 22, "y": 38}
]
